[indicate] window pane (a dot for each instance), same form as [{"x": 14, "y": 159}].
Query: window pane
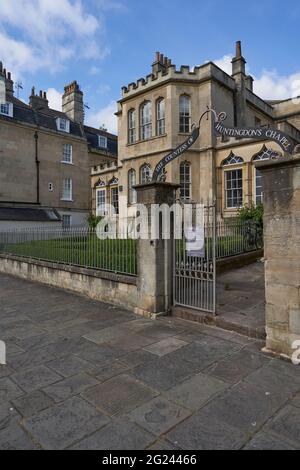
[
  {"x": 234, "y": 189},
  {"x": 161, "y": 115},
  {"x": 131, "y": 127},
  {"x": 67, "y": 153},
  {"x": 146, "y": 121},
  {"x": 115, "y": 199},
  {"x": 184, "y": 114},
  {"x": 131, "y": 190},
  {"x": 185, "y": 181}
]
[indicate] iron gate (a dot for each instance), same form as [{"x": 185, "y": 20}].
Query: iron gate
[{"x": 195, "y": 276}]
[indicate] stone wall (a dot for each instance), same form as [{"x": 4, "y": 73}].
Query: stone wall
[
  {"x": 281, "y": 181},
  {"x": 107, "y": 287}
]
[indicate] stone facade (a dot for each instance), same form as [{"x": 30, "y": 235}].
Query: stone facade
[
  {"x": 205, "y": 87},
  {"x": 41, "y": 149},
  {"x": 282, "y": 252}
]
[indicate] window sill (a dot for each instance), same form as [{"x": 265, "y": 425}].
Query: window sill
[
  {"x": 67, "y": 163},
  {"x": 146, "y": 140},
  {"x": 67, "y": 200}
]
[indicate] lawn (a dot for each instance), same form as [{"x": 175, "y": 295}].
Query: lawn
[{"x": 86, "y": 251}]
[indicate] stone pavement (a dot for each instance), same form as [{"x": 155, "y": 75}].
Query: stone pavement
[
  {"x": 84, "y": 375},
  {"x": 241, "y": 298}
]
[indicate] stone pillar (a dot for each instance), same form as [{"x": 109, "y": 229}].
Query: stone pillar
[
  {"x": 281, "y": 186},
  {"x": 155, "y": 257}
]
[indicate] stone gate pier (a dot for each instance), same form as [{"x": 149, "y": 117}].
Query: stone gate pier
[{"x": 281, "y": 183}]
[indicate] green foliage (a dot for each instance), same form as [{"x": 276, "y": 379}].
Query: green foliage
[
  {"x": 93, "y": 221},
  {"x": 252, "y": 213}
]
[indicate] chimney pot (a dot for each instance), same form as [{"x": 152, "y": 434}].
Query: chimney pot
[
  {"x": 238, "y": 49},
  {"x": 157, "y": 57}
]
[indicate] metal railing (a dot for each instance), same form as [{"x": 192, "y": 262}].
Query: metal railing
[
  {"x": 235, "y": 237},
  {"x": 76, "y": 246}
]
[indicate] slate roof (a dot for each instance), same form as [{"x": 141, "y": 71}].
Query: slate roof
[
  {"x": 47, "y": 118},
  {"x": 92, "y": 137},
  {"x": 29, "y": 214}
]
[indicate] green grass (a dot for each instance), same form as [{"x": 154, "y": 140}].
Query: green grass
[{"x": 87, "y": 251}]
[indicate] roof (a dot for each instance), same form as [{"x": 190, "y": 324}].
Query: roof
[
  {"x": 46, "y": 118},
  {"x": 29, "y": 214},
  {"x": 92, "y": 137}
]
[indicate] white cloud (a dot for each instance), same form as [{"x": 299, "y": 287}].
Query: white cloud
[
  {"x": 225, "y": 63},
  {"x": 273, "y": 86},
  {"x": 270, "y": 85},
  {"x": 54, "y": 98},
  {"x": 49, "y": 33},
  {"x": 105, "y": 116}
]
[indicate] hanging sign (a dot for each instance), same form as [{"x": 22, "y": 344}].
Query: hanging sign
[
  {"x": 195, "y": 244},
  {"x": 176, "y": 153},
  {"x": 259, "y": 133}
]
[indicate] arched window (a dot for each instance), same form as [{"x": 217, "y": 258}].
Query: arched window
[
  {"x": 264, "y": 154},
  {"x": 131, "y": 127},
  {"x": 146, "y": 121},
  {"x": 233, "y": 182},
  {"x": 232, "y": 160},
  {"x": 145, "y": 173},
  {"x": 161, "y": 116},
  {"x": 131, "y": 184},
  {"x": 185, "y": 114},
  {"x": 185, "y": 181}
]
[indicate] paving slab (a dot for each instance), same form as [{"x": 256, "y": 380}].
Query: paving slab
[
  {"x": 197, "y": 391},
  {"x": 13, "y": 437},
  {"x": 70, "y": 387},
  {"x": 245, "y": 407},
  {"x": 166, "y": 346},
  {"x": 119, "y": 395},
  {"x": 119, "y": 435},
  {"x": 204, "y": 432},
  {"x": 159, "y": 415},
  {"x": 266, "y": 441},
  {"x": 62, "y": 425},
  {"x": 238, "y": 366},
  {"x": 33, "y": 403},
  {"x": 70, "y": 365},
  {"x": 36, "y": 378},
  {"x": 9, "y": 390},
  {"x": 287, "y": 424},
  {"x": 164, "y": 373}
]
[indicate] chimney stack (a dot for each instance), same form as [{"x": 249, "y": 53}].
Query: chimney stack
[
  {"x": 72, "y": 103},
  {"x": 161, "y": 63},
  {"x": 9, "y": 84},
  {"x": 38, "y": 102}
]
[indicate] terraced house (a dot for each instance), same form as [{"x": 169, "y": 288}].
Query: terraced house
[
  {"x": 156, "y": 114},
  {"x": 46, "y": 158}
]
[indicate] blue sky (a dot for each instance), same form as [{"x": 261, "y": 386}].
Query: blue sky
[{"x": 105, "y": 44}]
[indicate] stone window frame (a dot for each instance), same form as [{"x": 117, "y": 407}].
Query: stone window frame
[
  {"x": 233, "y": 168},
  {"x": 185, "y": 117},
  {"x": 160, "y": 119},
  {"x": 146, "y": 131},
  {"x": 185, "y": 181},
  {"x": 263, "y": 155},
  {"x": 67, "y": 154},
  {"x": 131, "y": 124},
  {"x": 67, "y": 190},
  {"x": 145, "y": 173},
  {"x": 132, "y": 197}
]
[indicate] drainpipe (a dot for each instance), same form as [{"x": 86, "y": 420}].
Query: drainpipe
[{"x": 37, "y": 162}]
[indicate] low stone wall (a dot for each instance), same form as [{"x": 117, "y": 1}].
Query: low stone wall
[
  {"x": 120, "y": 290},
  {"x": 238, "y": 261}
]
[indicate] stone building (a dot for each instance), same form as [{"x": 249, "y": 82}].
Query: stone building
[
  {"x": 156, "y": 114},
  {"x": 46, "y": 158}
]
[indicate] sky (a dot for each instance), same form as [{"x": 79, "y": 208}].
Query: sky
[{"x": 106, "y": 44}]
